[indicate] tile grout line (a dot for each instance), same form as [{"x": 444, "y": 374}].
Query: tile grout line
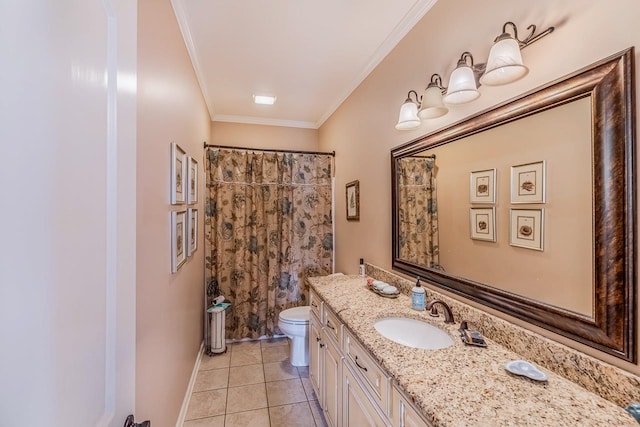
[
  {"x": 226, "y": 399},
  {"x": 264, "y": 374}
]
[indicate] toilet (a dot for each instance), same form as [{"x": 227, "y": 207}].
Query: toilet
[{"x": 294, "y": 323}]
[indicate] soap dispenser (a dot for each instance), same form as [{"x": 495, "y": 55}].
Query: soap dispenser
[
  {"x": 418, "y": 296},
  {"x": 362, "y": 267}
]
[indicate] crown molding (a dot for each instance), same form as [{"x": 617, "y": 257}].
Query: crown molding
[
  {"x": 415, "y": 14},
  {"x": 263, "y": 121},
  {"x": 191, "y": 49}
]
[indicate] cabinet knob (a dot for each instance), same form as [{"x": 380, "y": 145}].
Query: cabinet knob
[
  {"x": 321, "y": 345},
  {"x": 318, "y": 339}
]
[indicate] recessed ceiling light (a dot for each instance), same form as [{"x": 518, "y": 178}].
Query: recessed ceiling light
[{"x": 264, "y": 99}]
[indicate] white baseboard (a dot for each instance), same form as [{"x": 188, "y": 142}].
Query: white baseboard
[{"x": 192, "y": 381}]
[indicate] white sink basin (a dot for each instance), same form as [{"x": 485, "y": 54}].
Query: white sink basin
[{"x": 413, "y": 333}]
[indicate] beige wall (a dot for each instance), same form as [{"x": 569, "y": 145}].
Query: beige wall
[
  {"x": 169, "y": 306},
  {"x": 362, "y": 129},
  {"x": 261, "y": 136}
]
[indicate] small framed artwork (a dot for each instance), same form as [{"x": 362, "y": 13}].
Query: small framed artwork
[
  {"x": 528, "y": 183},
  {"x": 192, "y": 180},
  {"x": 192, "y": 231},
  {"x": 353, "y": 201},
  {"x": 526, "y": 228},
  {"x": 178, "y": 167},
  {"x": 483, "y": 186},
  {"x": 178, "y": 234},
  {"x": 483, "y": 224}
]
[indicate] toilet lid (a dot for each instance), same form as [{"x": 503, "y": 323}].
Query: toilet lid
[{"x": 296, "y": 314}]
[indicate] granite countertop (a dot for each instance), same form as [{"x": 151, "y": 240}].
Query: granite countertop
[{"x": 462, "y": 385}]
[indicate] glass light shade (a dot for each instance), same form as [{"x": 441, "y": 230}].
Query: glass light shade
[
  {"x": 432, "y": 106},
  {"x": 408, "y": 118},
  {"x": 504, "y": 64},
  {"x": 462, "y": 86}
]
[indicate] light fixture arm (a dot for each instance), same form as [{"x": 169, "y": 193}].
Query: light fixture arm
[
  {"x": 436, "y": 81},
  {"x": 463, "y": 59},
  {"x": 416, "y": 101},
  {"x": 530, "y": 39}
]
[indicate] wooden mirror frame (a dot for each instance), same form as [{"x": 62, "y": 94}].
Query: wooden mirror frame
[{"x": 612, "y": 328}]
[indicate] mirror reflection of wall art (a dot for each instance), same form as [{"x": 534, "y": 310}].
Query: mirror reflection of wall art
[
  {"x": 192, "y": 180},
  {"x": 528, "y": 182},
  {"x": 527, "y": 228},
  {"x": 483, "y": 186},
  {"x": 483, "y": 224},
  {"x": 178, "y": 235},
  {"x": 192, "y": 230},
  {"x": 353, "y": 201},
  {"x": 177, "y": 174}
]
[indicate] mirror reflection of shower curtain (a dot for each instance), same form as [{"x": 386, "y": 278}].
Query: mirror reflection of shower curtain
[
  {"x": 418, "y": 211},
  {"x": 268, "y": 226}
]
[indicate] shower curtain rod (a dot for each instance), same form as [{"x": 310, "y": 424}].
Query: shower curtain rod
[
  {"x": 332, "y": 153},
  {"x": 432, "y": 156}
]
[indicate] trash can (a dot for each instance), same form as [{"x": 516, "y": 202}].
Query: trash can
[{"x": 216, "y": 328}]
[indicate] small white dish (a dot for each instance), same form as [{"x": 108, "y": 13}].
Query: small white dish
[{"x": 526, "y": 369}]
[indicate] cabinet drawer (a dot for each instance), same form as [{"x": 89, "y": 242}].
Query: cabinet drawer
[
  {"x": 315, "y": 303},
  {"x": 373, "y": 375},
  {"x": 332, "y": 325}
]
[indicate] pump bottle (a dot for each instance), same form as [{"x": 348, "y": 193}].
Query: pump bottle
[{"x": 418, "y": 294}]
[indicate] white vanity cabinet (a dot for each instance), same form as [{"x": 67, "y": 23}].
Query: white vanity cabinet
[
  {"x": 332, "y": 380},
  {"x": 325, "y": 361},
  {"x": 402, "y": 413},
  {"x": 353, "y": 390}
]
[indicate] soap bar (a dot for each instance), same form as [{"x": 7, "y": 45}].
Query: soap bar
[{"x": 390, "y": 290}]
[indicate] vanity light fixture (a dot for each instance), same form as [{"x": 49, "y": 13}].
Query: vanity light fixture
[
  {"x": 264, "y": 99},
  {"x": 503, "y": 66},
  {"x": 432, "y": 105},
  {"x": 462, "y": 83},
  {"x": 505, "y": 60},
  {"x": 408, "y": 118}
]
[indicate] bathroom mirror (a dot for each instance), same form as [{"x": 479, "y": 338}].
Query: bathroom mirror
[{"x": 529, "y": 208}]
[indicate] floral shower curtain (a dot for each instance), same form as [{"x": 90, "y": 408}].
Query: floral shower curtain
[
  {"x": 418, "y": 211},
  {"x": 268, "y": 226}
]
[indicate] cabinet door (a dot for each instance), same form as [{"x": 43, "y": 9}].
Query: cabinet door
[
  {"x": 315, "y": 357},
  {"x": 357, "y": 409},
  {"x": 403, "y": 414},
  {"x": 331, "y": 382}
]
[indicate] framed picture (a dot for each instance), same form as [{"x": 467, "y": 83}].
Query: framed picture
[
  {"x": 483, "y": 224},
  {"x": 528, "y": 182},
  {"x": 192, "y": 231},
  {"x": 526, "y": 228},
  {"x": 353, "y": 201},
  {"x": 177, "y": 174},
  {"x": 483, "y": 186},
  {"x": 178, "y": 235},
  {"x": 192, "y": 181}
]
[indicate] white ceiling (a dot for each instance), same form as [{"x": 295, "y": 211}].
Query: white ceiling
[{"x": 310, "y": 54}]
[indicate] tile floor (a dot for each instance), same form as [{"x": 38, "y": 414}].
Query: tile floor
[{"x": 253, "y": 385}]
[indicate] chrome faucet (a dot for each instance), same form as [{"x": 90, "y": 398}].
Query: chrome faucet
[{"x": 448, "y": 315}]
